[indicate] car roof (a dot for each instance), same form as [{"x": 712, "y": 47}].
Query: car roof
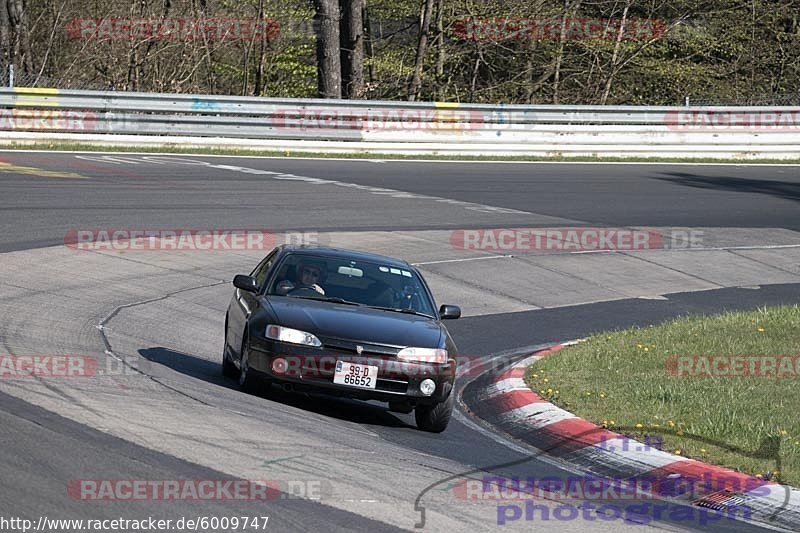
[{"x": 342, "y": 253}]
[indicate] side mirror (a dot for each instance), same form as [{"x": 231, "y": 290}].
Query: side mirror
[
  {"x": 245, "y": 283},
  {"x": 449, "y": 312}
]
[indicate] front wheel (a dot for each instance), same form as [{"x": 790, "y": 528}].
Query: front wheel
[
  {"x": 229, "y": 370},
  {"x": 434, "y": 418},
  {"x": 248, "y": 382}
]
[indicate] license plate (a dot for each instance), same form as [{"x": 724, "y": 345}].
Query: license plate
[{"x": 355, "y": 375}]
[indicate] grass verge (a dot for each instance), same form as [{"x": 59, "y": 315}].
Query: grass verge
[
  {"x": 244, "y": 152},
  {"x": 652, "y": 384}
]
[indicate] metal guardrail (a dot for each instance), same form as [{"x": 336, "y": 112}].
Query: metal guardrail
[{"x": 398, "y": 127}]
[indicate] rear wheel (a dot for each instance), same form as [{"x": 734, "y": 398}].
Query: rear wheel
[{"x": 434, "y": 418}]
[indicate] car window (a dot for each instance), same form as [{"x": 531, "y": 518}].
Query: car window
[
  {"x": 363, "y": 282},
  {"x": 261, "y": 271}
]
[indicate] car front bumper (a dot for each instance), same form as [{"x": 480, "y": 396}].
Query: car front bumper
[{"x": 312, "y": 369}]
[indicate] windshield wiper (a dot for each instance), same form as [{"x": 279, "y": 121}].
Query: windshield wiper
[
  {"x": 400, "y": 310},
  {"x": 333, "y": 299},
  {"x": 336, "y": 299}
]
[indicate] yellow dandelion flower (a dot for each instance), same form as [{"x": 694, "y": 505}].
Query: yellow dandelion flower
[
  {"x": 639, "y": 425},
  {"x": 671, "y": 423},
  {"x": 549, "y": 391},
  {"x": 702, "y": 450},
  {"x": 761, "y": 330},
  {"x": 546, "y": 380},
  {"x": 611, "y": 422},
  {"x": 638, "y": 345},
  {"x": 602, "y": 395},
  {"x": 677, "y": 452}
]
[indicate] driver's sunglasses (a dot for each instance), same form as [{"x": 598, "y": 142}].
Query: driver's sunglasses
[{"x": 313, "y": 272}]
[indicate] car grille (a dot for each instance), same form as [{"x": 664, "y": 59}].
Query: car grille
[{"x": 347, "y": 346}]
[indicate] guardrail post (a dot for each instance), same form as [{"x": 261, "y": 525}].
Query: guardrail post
[{"x": 11, "y": 76}]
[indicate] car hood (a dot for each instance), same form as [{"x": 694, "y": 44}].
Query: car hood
[{"x": 348, "y": 322}]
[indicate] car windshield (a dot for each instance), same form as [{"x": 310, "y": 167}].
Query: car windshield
[{"x": 342, "y": 280}]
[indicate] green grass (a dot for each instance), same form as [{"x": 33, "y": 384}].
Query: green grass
[
  {"x": 87, "y": 147},
  {"x": 620, "y": 380}
]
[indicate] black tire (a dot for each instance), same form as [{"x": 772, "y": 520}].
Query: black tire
[
  {"x": 229, "y": 370},
  {"x": 248, "y": 382},
  {"x": 434, "y": 418}
]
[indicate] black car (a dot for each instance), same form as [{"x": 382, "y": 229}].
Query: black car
[{"x": 343, "y": 322}]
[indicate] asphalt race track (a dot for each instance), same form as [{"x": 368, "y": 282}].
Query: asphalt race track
[{"x": 158, "y": 409}]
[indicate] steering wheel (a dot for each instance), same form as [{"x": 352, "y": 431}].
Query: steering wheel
[
  {"x": 303, "y": 291},
  {"x": 408, "y": 297}
]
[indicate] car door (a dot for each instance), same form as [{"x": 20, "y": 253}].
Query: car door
[{"x": 244, "y": 304}]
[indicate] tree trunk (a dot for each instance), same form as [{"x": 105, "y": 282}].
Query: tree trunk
[
  {"x": 329, "y": 72},
  {"x": 262, "y": 53},
  {"x": 424, "y": 29},
  {"x": 440, "y": 56},
  {"x": 568, "y": 11},
  {"x": 5, "y": 36},
  {"x": 370, "y": 52},
  {"x": 352, "y": 48},
  {"x": 19, "y": 21},
  {"x": 615, "y": 55}
]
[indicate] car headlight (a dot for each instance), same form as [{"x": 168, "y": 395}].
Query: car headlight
[
  {"x": 423, "y": 355},
  {"x": 292, "y": 336}
]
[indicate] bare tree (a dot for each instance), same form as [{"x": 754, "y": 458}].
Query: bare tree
[
  {"x": 352, "y": 48},
  {"x": 5, "y": 36},
  {"x": 22, "y": 39},
  {"x": 422, "y": 46},
  {"x": 329, "y": 76},
  {"x": 569, "y": 9},
  {"x": 262, "y": 56},
  {"x": 369, "y": 44}
]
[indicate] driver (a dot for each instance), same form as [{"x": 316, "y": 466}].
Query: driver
[{"x": 310, "y": 274}]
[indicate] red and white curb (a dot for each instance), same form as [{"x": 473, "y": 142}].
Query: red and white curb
[{"x": 524, "y": 414}]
